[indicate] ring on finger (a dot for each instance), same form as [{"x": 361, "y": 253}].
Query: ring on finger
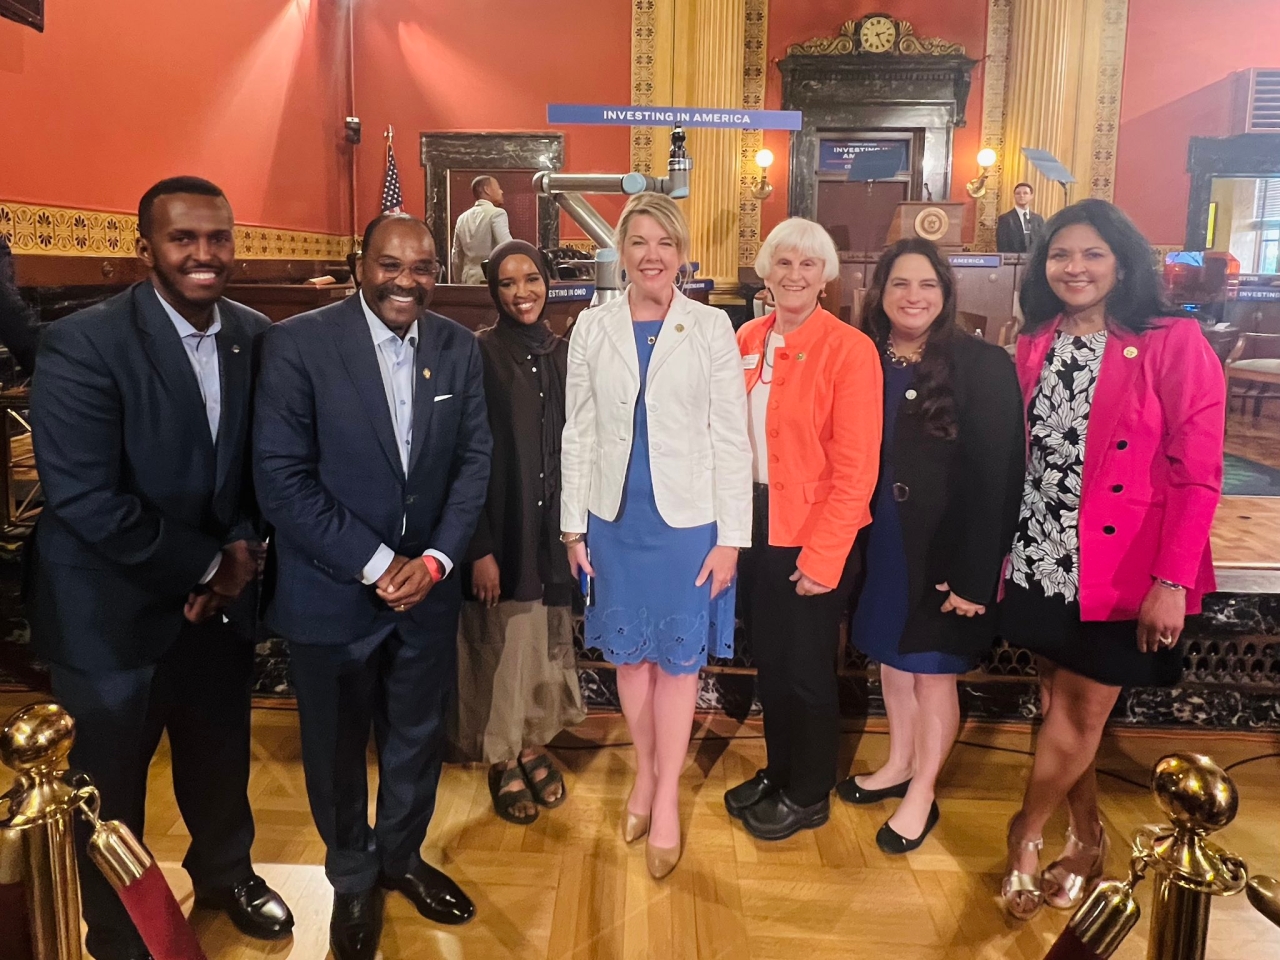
[{"x": 1168, "y": 641}]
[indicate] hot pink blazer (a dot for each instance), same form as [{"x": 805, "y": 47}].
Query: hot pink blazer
[{"x": 1152, "y": 464}]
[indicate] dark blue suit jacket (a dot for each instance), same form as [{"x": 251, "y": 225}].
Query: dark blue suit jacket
[
  {"x": 329, "y": 477},
  {"x": 139, "y": 498}
]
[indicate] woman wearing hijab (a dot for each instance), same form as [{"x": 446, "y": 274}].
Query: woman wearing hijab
[{"x": 517, "y": 683}]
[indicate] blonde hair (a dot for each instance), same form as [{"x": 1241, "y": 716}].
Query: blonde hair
[
  {"x": 804, "y": 238},
  {"x": 664, "y": 211}
]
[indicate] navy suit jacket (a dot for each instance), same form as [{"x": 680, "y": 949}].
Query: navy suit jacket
[
  {"x": 139, "y": 498},
  {"x": 329, "y": 477}
]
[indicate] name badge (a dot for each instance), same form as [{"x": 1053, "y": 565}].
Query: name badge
[{"x": 751, "y": 362}]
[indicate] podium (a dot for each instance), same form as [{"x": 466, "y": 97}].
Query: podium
[{"x": 939, "y": 222}]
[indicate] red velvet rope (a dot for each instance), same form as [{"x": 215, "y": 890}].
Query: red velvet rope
[
  {"x": 15, "y": 940},
  {"x": 159, "y": 919},
  {"x": 1070, "y": 947}
]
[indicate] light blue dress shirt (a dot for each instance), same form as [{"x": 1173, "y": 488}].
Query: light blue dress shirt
[{"x": 396, "y": 362}]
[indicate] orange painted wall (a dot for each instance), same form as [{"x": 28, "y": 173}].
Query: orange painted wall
[
  {"x": 488, "y": 66},
  {"x": 1178, "y": 56},
  {"x": 116, "y": 95},
  {"x": 960, "y": 21}
]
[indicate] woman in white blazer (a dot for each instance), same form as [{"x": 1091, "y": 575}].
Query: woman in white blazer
[{"x": 656, "y": 500}]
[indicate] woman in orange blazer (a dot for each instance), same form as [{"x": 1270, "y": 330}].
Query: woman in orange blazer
[{"x": 815, "y": 397}]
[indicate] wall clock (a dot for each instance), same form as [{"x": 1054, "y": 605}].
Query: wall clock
[{"x": 877, "y": 34}]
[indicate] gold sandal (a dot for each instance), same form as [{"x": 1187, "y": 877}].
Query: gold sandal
[
  {"x": 1021, "y": 892},
  {"x": 1068, "y": 888}
]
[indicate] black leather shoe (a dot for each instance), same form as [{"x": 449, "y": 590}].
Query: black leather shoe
[
  {"x": 849, "y": 791},
  {"x": 256, "y": 910},
  {"x": 435, "y": 896},
  {"x": 749, "y": 793},
  {"x": 891, "y": 841},
  {"x": 775, "y": 817},
  {"x": 355, "y": 927}
]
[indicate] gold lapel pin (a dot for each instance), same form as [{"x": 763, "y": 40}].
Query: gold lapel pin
[
  {"x": 235, "y": 348},
  {"x": 1130, "y": 352},
  {"x": 679, "y": 328},
  {"x": 426, "y": 374},
  {"x": 799, "y": 356}
]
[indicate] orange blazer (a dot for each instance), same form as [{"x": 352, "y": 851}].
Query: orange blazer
[{"x": 826, "y": 413}]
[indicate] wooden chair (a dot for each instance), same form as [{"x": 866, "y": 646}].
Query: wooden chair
[{"x": 1253, "y": 371}]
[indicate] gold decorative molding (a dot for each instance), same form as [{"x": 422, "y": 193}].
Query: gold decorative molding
[
  {"x": 1106, "y": 126},
  {"x": 755, "y": 64},
  {"x": 907, "y": 44},
  {"x": 994, "y": 77},
  {"x": 579, "y": 243},
  {"x": 64, "y": 231},
  {"x": 644, "y": 29}
]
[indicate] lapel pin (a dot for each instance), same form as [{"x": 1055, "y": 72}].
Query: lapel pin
[
  {"x": 911, "y": 394},
  {"x": 426, "y": 374},
  {"x": 1130, "y": 352},
  {"x": 235, "y": 348},
  {"x": 799, "y": 356},
  {"x": 679, "y": 328}
]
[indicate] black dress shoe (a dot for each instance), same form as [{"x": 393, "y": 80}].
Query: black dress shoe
[
  {"x": 891, "y": 841},
  {"x": 356, "y": 925},
  {"x": 749, "y": 793},
  {"x": 849, "y": 791},
  {"x": 256, "y": 910},
  {"x": 775, "y": 817},
  {"x": 436, "y": 897}
]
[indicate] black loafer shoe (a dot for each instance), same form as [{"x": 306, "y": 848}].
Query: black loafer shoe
[
  {"x": 749, "y": 793},
  {"x": 775, "y": 817},
  {"x": 434, "y": 895},
  {"x": 256, "y": 910},
  {"x": 355, "y": 928},
  {"x": 892, "y": 842},
  {"x": 849, "y": 791}
]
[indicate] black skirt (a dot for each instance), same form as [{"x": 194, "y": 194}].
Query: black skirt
[{"x": 1102, "y": 650}]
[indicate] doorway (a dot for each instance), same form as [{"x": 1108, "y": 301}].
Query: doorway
[{"x": 855, "y": 201}]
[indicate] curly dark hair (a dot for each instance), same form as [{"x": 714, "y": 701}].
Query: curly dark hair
[
  {"x": 1138, "y": 297},
  {"x": 934, "y": 374}
]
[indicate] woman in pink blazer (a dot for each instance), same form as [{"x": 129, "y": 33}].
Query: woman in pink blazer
[{"x": 1125, "y": 408}]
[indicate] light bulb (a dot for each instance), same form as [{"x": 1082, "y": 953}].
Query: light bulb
[
  {"x": 986, "y": 157},
  {"x": 764, "y": 159}
]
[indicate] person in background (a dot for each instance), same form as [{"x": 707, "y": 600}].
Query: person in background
[
  {"x": 1019, "y": 230},
  {"x": 371, "y": 461},
  {"x": 478, "y": 232},
  {"x": 19, "y": 331},
  {"x": 148, "y": 539},
  {"x": 815, "y": 398},
  {"x": 517, "y": 676},
  {"x": 656, "y": 473},
  {"x": 1125, "y": 412},
  {"x": 952, "y": 462}
]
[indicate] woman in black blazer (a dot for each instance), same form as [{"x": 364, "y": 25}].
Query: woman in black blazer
[{"x": 951, "y": 470}]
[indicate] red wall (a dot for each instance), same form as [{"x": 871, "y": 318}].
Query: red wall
[
  {"x": 116, "y": 95},
  {"x": 482, "y": 66},
  {"x": 1178, "y": 56},
  {"x": 960, "y": 21}
]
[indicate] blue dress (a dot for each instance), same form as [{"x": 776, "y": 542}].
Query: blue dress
[
  {"x": 881, "y": 614},
  {"x": 646, "y": 605}
]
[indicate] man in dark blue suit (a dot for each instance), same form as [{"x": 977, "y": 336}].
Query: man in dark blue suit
[
  {"x": 371, "y": 460},
  {"x": 140, "y": 412}
]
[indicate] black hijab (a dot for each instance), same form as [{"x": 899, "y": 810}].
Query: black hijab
[{"x": 535, "y": 337}]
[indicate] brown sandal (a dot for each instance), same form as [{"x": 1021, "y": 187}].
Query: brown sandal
[
  {"x": 540, "y": 786},
  {"x": 505, "y": 801}
]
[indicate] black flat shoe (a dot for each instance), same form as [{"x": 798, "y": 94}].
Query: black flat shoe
[
  {"x": 892, "y": 842},
  {"x": 355, "y": 927},
  {"x": 849, "y": 791},
  {"x": 435, "y": 896},
  {"x": 775, "y": 817},
  {"x": 256, "y": 910},
  {"x": 749, "y": 793}
]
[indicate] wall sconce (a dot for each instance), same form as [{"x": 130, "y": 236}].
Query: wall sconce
[
  {"x": 762, "y": 188},
  {"x": 977, "y": 187}
]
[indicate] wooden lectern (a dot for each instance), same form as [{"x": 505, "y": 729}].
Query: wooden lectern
[{"x": 939, "y": 222}]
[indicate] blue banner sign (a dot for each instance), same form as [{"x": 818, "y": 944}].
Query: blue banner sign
[
  {"x": 1258, "y": 280},
  {"x": 569, "y": 113},
  {"x": 571, "y": 291},
  {"x": 839, "y": 156},
  {"x": 987, "y": 260},
  {"x": 1258, "y": 294}
]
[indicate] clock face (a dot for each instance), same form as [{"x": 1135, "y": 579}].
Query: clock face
[{"x": 878, "y": 34}]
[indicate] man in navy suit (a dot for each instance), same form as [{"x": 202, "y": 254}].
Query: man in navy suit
[
  {"x": 371, "y": 460},
  {"x": 140, "y": 413}
]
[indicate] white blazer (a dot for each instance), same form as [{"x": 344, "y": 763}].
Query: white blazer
[{"x": 696, "y": 400}]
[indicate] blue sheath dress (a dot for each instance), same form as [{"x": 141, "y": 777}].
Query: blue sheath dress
[{"x": 646, "y": 605}]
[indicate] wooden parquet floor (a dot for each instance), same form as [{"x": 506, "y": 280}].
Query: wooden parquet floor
[{"x": 567, "y": 889}]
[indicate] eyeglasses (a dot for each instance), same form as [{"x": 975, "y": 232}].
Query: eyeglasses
[{"x": 420, "y": 269}]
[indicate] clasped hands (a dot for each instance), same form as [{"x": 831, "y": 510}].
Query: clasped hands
[{"x": 241, "y": 564}]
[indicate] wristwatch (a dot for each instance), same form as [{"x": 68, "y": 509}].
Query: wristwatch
[{"x": 1169, "y": 584}]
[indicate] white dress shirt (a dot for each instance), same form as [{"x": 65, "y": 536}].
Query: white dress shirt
[
  {"x": 396, "y": 364},
  {"x": 478, "y": 232}
]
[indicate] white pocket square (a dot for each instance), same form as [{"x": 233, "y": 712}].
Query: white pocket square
[{"x": 444, "y": 396}]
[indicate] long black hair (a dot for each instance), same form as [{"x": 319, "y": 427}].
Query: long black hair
[
  {"x": 934, "y": 374},
  {"x": 1138, "y": 297}
]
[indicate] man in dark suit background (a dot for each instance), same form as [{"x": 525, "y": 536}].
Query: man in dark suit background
[
  {"x": 1019, "y": 230},
  {"x": 19, "y": 331},
  {"x": 140, "y": 413},
  {"x": 371, "y": 461}
]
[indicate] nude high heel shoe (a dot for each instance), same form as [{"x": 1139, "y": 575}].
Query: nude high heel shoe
[
  {"x": 634, "y": 826},
  {"x": 662, "y": 860}
]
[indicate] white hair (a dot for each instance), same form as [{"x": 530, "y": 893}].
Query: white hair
[{"x": 803, "y": 238}]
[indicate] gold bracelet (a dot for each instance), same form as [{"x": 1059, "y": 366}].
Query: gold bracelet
[{"x": 568, "y": 539}]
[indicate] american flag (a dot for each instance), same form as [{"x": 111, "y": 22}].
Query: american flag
[{"x": 392, "y": 201}]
